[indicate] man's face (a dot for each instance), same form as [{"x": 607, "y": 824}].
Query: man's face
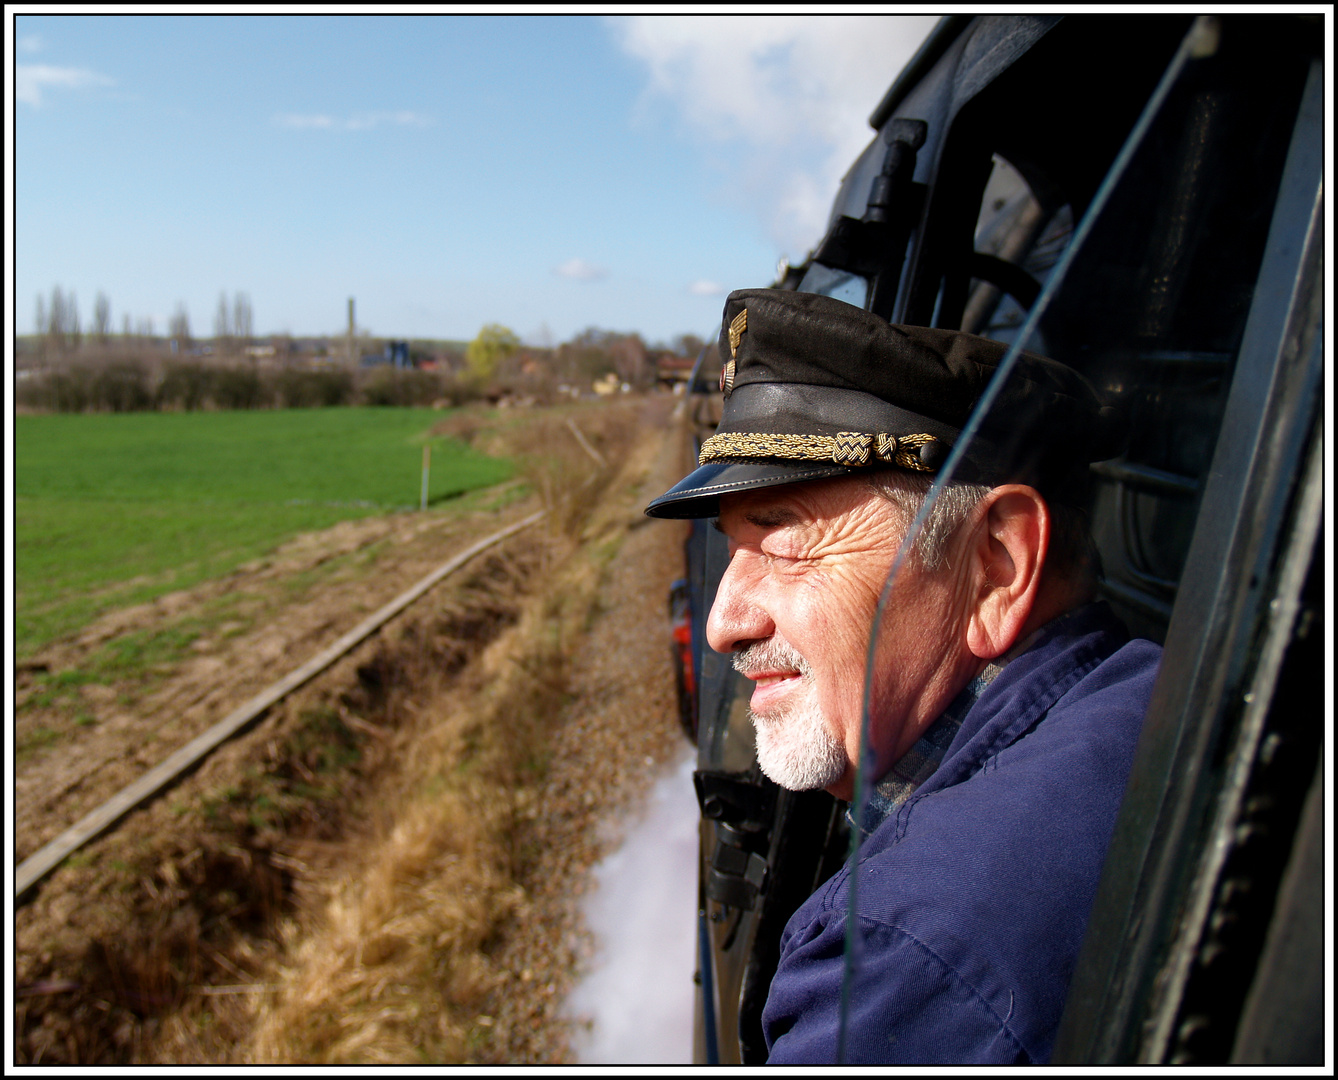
[{"x": 796, "y": 604}]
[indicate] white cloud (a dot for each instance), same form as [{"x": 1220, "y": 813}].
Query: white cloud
[
  {"x": 706, "y": 288},
  {"x": 293, "y": 120},
  {"x": 30, "y": 43},
  {"x": 365, "y": 120},
  {"x": 31, "y": 79},
  {"x": 787, "y": 96},
  {"x": 359, "y": 121},
  {"x": 580, "y": 270}
]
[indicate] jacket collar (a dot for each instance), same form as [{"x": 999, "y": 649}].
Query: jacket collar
[{"x": 975, "y": 726}]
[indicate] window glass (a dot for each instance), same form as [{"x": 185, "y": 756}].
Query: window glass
[
  {"x": 838, "y": 284},
  {"x": 1012, "y": 228}
]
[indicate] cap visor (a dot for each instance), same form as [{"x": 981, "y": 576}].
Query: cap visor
[{"x": 698, "y": 494}]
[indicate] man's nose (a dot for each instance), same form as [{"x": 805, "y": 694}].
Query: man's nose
[{"x": 736, "y": 618}]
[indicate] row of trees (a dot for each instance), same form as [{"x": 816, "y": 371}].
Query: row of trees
[
  {"x": 60, "y": 332},
  {"x": 58, "y": 325},
  {"x": 139, "y": 372},
  {"x": 495, "y": 368},
  {"x": 233, "y": 325},
  {"x": 497, "y": 358}
]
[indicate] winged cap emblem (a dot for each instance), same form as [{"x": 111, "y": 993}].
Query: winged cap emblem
[{"x": 736, "y": 329}]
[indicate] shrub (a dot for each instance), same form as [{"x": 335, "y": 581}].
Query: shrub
[
  {"x": 240, "y": 388},
  {"x": 313, "y": 389},
  {"x": 60, "y": 391},
  {"x": 185, "y": 386},
  {"x": 127, "y": 385},
  {"x": 457, "y": 391},
  {"x": 392, "y": 386},
  {"x": 121, "y": 386}
]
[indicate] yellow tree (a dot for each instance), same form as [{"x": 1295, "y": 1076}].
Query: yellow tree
[{"x": 493, "y": 345}]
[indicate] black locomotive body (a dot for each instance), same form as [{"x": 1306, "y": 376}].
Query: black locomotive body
[{"x": 1141, "y": 197}]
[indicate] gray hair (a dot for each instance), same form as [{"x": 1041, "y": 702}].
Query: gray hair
[
  {"x": 907, "y": 492},
  {"x": 1073, "y": 552}
]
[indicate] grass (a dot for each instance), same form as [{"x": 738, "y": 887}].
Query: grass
[
  {"x": 133, "y": 659},
  {"x": 112, "y": 510},
  {"x": 34, "y": 740}
]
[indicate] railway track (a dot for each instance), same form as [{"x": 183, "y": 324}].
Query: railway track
[{"x": 33, "y": 869}]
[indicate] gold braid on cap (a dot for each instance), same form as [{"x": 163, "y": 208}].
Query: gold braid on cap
[{"x": 843, "y": 448}]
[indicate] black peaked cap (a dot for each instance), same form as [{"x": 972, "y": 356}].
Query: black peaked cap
[{"x": 817, "y": 388}]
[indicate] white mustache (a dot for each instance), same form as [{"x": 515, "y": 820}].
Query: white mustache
[{"x": 773, "y": 654}]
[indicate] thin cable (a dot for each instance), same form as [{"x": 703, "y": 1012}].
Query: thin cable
[{"x": 1199, "y": 41}]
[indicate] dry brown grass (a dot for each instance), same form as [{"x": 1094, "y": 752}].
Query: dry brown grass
[
  {"x": 569, "y": 481},
  {"x": 394, "y": 967},
  {"x": 399, "y": 964}
]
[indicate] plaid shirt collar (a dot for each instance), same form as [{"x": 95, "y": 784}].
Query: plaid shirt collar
[{"x": 919, "y": 763}]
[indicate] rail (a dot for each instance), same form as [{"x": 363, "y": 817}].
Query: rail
[{"x": 34, "y": 868}]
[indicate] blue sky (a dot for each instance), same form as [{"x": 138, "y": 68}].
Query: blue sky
[{"x": 547, "y": 173}]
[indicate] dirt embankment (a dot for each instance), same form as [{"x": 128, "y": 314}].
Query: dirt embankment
[{"x": 387, "y": 867}]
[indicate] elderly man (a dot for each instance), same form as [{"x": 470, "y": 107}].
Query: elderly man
[{"x": 1004, "y": 703}]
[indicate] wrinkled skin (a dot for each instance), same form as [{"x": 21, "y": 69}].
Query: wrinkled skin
[{"x": 807, "y": 565}]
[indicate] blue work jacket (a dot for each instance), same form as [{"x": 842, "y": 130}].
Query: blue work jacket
[{"x": 974, "y": 893}]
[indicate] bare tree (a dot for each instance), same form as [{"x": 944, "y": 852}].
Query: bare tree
[
  {"x": 62, "y": 321},
  {"x": 40, "y": 326},
  {"x": 126, "y": 330},
  {"x": 688, "y": 345},
  {"x": 628, "y": 353},
  {"x": 55, "y": 318},
  {"x": 179, "y": 329},
  {"x": 101, "y": 318},
  {"x": 71, "y": 327},
  {"x": 223, "y": 325},
  {"x": 241, "y": 318}
]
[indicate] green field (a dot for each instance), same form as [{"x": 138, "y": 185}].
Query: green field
[{"x": 114, "y": 509}]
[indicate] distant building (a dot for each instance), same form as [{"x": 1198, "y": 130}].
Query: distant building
[
  {"x": 395, "y": 354},
  {"x": 671, "y": 369}
]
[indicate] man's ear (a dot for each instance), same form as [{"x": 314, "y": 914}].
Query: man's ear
[{"x": 1007, "y": 553}]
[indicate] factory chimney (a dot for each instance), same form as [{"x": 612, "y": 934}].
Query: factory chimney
[{"x": 351, "y": 331}]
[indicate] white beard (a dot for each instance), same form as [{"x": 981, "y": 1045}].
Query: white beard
[{"x": 795, "y": 748}]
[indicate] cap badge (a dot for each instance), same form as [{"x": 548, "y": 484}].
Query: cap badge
[{"x": 736, "y": 329}]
